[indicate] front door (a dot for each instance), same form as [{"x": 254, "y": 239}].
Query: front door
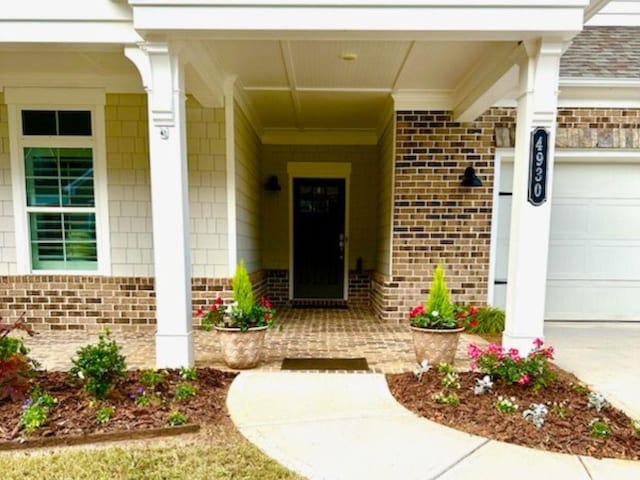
[{"x": 318, "y": 237}]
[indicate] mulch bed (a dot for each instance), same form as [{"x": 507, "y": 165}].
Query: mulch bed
[
  {"x": 477, "y": 415},
  {"x": 75, "y": 412}
]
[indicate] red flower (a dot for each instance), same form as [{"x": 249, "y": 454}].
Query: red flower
[
  {"x": 214, "y": 307},
  {"x": 473, "y": 323},
  {"x": 219, "y": 301},
  {"x": 524, "y": 379},
  {"x": 199, "y": 312},
  {"x": 473, "y": 311},
  {"x": 265, "y": 303},
  {"x": 416, "y": 311},
  {"x": 267, "y": 316},
  {"x": 538, "y": 342}
]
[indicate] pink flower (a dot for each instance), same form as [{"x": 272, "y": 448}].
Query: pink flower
[
  {"x": 473, "y": 364},
  {"x": 474, "y": 351},
  {"x": 524, "y": 379},
  {"x": 416, "y": 311},
  {"x": 538, "y": 342},
  {"x": 548, "y": 352},
  {"x": 514, "y": 354}
]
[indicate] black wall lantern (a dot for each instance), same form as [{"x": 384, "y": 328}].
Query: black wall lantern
[
  {"x": 470, "y": 179},
  {"x": 272, "y": 184}
]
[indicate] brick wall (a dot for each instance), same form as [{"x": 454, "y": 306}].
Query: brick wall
[
  {"x": 70, "y": 302},
  {"x": 435, "y": 219}
]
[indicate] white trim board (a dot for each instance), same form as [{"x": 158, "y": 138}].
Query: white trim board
[{"x": 320, "y": 170}]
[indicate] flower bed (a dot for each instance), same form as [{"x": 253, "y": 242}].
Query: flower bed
[{"x": 525, "y": 401}]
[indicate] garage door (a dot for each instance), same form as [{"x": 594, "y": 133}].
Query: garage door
[{"x": 594, "y": 250}]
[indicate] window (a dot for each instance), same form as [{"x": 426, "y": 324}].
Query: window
[{"x": 58, "y": 171}]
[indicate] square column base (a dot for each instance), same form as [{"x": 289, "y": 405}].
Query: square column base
[
  {"x": 174, "y": 350},
  {"x": 524, "y": 345}
]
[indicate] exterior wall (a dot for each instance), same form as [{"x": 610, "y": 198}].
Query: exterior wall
[
  {"x": 385, "y": 201},
  {"x": 207, "y": 191},
  {"x": 248, "y": 192},
  {"x": 435, "y": 219},
  {"x": 7, "y": 236},
  {"x": 275, "y": 205},
  {"x": 130, "y": 195},
  {"x": 592, "y": 128},
  {"x": 128, "y": 185}
]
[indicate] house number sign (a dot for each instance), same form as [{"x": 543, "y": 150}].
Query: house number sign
[{"x": 538, "y": 166}]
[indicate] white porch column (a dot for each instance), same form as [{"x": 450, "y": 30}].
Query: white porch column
[
  {"x": 529, "y": 244},
  {"x": 163, "y": 78}
]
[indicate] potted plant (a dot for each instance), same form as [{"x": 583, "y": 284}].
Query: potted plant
[
  {"x": 241, "y": 326},
  {"x": 436, "y": 327}
]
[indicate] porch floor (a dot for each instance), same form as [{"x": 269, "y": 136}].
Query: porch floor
[{"x": 305, "y": 333}]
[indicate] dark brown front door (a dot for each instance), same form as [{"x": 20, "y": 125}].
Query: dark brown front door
[{"x": 318, "y": 237}]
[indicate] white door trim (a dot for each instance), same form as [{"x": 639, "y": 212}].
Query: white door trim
[{"x": 320, "y": 170}]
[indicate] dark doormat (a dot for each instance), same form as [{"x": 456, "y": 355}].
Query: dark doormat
[{"x": 350, "y": 364}]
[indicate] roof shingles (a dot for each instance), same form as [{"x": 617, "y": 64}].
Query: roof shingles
[{"x": 603, "y": 52}]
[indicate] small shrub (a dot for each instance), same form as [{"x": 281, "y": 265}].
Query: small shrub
[
  {"x": 151, "y": 378},
  {"x": 242, "y": 290},
  {"x": 450, "y": 380},
  {"x": 185, "y": 391},
  {"x": 421, "y": 369},
  {"x": 176, "y": 418},
  {"x": 483, "y": 385},
  {"x": 35, "y": 410},
  {"x": 635, "y": 427},
  {"x": 560, "y": 410},
  {"x": 16, "y": 368},
  {"x": 99, "y": 366},
  {"x": 599, "y": 428},
  {"x": 189, "y": 373},
  {"x": 506, "y": 405},
  {"x": 489, "y": 321},
  {"x": 511, "y": 368},
  {"x": 536, "y": 414},
  {"x": 597, "y": 401},
  {"x": 450, "y": 399},
  {"x": 104, "y": 414},
  {"x": 579, "y": 389}
]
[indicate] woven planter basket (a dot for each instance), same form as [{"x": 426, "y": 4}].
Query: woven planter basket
[
  {"x": 435, "y": 346},
  {"x": 241, "y": 349}
]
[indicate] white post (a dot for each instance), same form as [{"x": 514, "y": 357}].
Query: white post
[
  {"x": 529, "y": 244},
  {"x": 162, "y": 75}
]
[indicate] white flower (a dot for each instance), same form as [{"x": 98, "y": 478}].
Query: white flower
[
  {"x": 80, "y": 375},
  {"x": 435, "y": 313}
]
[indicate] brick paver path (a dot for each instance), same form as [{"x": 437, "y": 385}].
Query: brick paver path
[{"x": 354, "y": 332}]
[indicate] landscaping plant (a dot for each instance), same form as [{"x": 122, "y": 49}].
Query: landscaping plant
[
  {"x": 185, "y": 391},
  {"x": 35, "y": 410},
  {"x": 176, "y": 418},
  {"x": 506, "y": 405},
  {"x": 99, "y": 366},
  {"x": 511, "y": 368},
  {"x": 599, "y": 428},
  {"x": 104, "y": 413},
  {"x": 16, "y": 368},
  {"x": 488, "y": 321}
]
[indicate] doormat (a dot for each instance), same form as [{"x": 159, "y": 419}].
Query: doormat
[{"x": 348, "y": 364}]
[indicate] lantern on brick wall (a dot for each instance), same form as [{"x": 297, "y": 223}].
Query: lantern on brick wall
[{"x": 470, "y": 179}]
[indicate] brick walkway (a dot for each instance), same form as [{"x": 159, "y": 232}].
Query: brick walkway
[{"x": 305, "y": 333}]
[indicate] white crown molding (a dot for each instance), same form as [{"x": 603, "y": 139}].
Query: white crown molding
[
  {"x": 246, "y": 106},
  {"x": 285, "y": 136},
  {"x": 423, "y": 100}
]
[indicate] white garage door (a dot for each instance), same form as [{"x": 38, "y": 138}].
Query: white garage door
[{"x": 594, "y": 251}]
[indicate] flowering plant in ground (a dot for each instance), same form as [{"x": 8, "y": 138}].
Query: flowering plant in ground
[
  {"x": 510, "y": 367},
  {"x": 35, "y": 410},
  {"x": 243, "y": 313},
  {"x": 506, "y": 405},
  {"x": 450, "y": 398},
  {"x": 635, "y": 427},
  {"x": 599, "y": 428},
  {"x": 176, "y": 417},
  {"x": 439, "y": 313},
  {"x": 104, "y": 414}
]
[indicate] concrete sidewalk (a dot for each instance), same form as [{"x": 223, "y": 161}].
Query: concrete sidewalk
[{"x": 348, "y": 426}]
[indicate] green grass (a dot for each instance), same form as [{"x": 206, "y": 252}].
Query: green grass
[{"x": 218, "y": 453}]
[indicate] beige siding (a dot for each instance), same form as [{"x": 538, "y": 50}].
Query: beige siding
[
  {"x": 7, "y": 227},
  {"x": 248, "y": 191},
  {"x": 363, "y": 208},
  {"x": 207, "y": 190},
  {"x": 385, "y": 198},
  {"x": 130, "y": 195},
  {"x": 128, "y": 185}
]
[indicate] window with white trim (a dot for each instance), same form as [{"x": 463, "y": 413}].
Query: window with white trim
[{"x": 59, "y": 188}]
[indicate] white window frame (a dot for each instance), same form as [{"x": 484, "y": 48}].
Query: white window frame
[{"x": 59, "y": 99}]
